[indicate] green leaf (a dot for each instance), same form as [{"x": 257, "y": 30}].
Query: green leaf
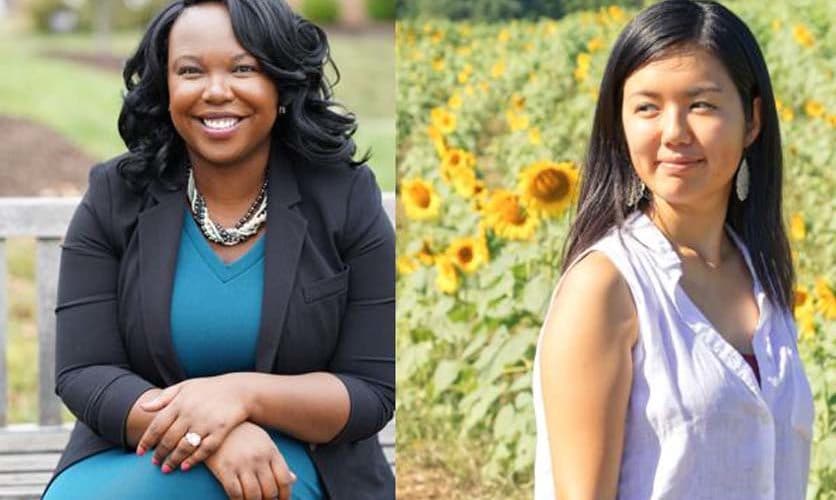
[
  {"x": 503, "y": 423},
  {"x": 536, "y": 294},
  {"x": 480, "y": 409},
  {"x": 446, "y": 373},
  {"x": 511, "y": 352}
]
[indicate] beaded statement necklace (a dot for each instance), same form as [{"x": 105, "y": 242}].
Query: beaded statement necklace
[{"x": 244, "y": 229}]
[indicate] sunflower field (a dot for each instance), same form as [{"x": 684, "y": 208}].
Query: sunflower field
[{"x": 493, "y": 121}]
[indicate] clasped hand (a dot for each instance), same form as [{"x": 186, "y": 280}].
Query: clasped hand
[{"x": 210, "y": 407}]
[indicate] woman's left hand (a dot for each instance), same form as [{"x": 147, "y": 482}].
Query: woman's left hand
[{"x": 210, "y": 407}]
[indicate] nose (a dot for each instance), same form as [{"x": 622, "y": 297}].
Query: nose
[
  {"x": 675, "y": 128},
  {"x": 217, "y": 90}
]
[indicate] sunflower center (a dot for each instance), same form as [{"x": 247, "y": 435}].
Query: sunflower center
[
  {"x": 420, "y": 195},
  {"x": 465, "y": 254},
  {"x": 550, "y": 185}
]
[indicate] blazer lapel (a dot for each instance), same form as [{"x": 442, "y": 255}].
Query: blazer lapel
[
  {"x": 286, "y": 230},
  {"x": 159, "y": 229}
]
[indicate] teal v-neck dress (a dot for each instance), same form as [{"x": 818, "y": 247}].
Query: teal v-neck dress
[{"x": 215, "y": 319}]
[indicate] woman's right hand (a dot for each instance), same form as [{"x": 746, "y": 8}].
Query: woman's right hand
[{"x": 249, "y": 465}]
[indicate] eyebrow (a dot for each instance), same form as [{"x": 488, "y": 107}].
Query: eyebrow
[
  {"x": 236, "y": 58},
  {"x": 693, "y": 91}
]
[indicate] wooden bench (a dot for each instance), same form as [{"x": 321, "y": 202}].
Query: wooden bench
[{"x": 29, "y": 452}]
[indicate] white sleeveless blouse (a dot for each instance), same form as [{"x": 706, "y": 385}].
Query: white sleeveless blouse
[{"x": 698, "y": 426}]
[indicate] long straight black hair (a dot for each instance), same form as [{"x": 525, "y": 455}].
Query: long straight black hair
[{"x": 668, "y": 26}]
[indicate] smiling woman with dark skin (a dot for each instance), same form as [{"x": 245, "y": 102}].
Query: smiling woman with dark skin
[{"x": 226, "y": 291}]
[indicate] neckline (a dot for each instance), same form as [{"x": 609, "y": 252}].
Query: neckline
[
  {"x": 223, "y": 271},
  {"x": 646, "y": 232}
]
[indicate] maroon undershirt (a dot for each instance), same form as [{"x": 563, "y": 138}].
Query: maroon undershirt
[{"x": 750, "y": 358}]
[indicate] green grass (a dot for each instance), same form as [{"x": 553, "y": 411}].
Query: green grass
[{"x": 83, "y": 103}]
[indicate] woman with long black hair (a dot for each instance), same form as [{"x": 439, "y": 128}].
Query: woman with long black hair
[
  {"x": 667, "y": 366},
  {"x": 226, "y": 292}
]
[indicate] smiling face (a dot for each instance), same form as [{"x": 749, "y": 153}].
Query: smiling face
[
  {"x": 685, "y": 128},
  {"x": 221, "y": 104}
]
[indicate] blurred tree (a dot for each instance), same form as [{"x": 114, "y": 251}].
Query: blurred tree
[{"x": 381, "y": 9}]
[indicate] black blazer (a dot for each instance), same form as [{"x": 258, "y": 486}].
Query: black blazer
[{"x": 328, "y": 304}]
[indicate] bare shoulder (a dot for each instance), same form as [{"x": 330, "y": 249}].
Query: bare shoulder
[
  {"x": 586, "y": 375},
  {"x": 593, "y": 306}
]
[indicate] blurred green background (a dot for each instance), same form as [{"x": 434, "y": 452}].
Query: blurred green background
[{"x": 492, "y": 113}]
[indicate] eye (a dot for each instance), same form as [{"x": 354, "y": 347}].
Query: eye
[
  {"x": 645, "y": 107},
  {"x": 245, "y": 68},
  {"x": 188, "y": 70},
  {"x": 703, "y": 105}
]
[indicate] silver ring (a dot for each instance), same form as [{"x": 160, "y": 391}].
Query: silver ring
[{"x": 193, "y": 439}]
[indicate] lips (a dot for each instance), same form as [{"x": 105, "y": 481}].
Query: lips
[
  {"x": 678, "y": 164},
  {"x": 220, "y": 126}
]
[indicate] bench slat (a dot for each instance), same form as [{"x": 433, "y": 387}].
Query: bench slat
[
  {"x": 48, "y": 257},
  {"x": 36, "y": 479},
  {"x": 29, "y": 462},
  {"x": 40, "y": 217},
  {"x": 4, "y": 312},
  {"x": 34, "y": 439},
  {"x": 20, "y": 492}
]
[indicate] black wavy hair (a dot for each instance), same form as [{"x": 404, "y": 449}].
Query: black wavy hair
[
  {"x": 292, "y": 51},
  {"x": 654, "y": 33}
]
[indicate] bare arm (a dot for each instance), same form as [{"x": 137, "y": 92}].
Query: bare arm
[{"x": 589, "y": 332}]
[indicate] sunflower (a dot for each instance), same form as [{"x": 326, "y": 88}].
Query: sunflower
[
  {"x": 437, "y": 139},
  {"x": 454, "y": 159},
  {"x": 803, "y": 36},
  {"x": 548, "y": 188},
  {"x": 464, "y": 182},
  {"x": 814, "y": 109},
  {"x": 616, "y": 13},
  {"x": 504, "y": 35},
  {"x": 407, "y": 265},
  {"x": 498, "y": 69},
  {"x": 516, "y": 121},
  {"x": 825, "y": 299},
  {"x": 595, "y": 44},
  {"x": 446, "y": 279},
  {"x": 455, "y": 101},
  {"x": 797, "y": 227},
  {"x": 534, "y": 136},
  {"x": 438, "y": 64},
  {"x": 517, "y": 103},
  {"x": 803, "y": 312},
  {"x": 468, "y": 254},
  {"x": 443, "y": 120},
  {"x": 507, "y": 217},
  {"x": 420, "y": 200},
  {"x": 426, "y": 256}
]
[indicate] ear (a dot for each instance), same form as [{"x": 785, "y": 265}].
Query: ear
[{"x": 753, "y": 128}]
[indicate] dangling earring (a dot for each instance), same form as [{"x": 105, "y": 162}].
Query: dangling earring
[
  {"x": 282, "y": 110},
  {"x": 636, "y": 191},
  {"x": 741, "y": 183}
]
